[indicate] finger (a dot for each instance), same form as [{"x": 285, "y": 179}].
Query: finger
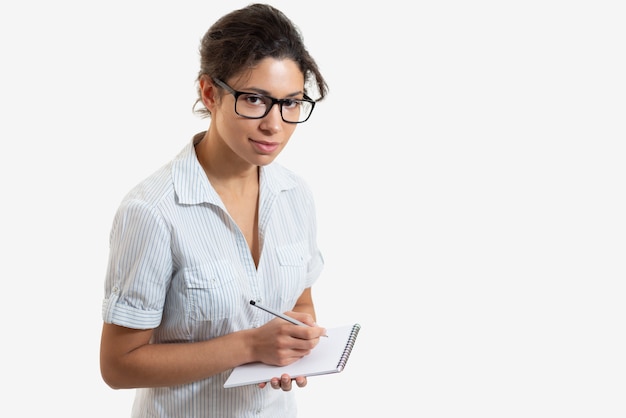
[
  {"x": 301, "y": 381},
  {"x": 275, "y": 383},
  {"x": 285, "y": 383}
]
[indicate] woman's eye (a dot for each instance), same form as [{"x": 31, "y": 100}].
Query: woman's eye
[
  {"x": 254, "y": 100},
  {"x": 290, "y": 104}
]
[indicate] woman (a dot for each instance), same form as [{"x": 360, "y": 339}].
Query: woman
[{"x": 220, "y": 225}]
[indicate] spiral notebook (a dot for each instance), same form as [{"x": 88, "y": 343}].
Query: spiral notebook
[{"x": 329, "y": 356}]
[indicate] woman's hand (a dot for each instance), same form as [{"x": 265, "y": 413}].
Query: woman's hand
[
  {"x": 281, "y": 343},
  {"x": 285, "y": 382}
]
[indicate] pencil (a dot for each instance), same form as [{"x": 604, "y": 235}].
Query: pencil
[{"x": 280, "y": 315}]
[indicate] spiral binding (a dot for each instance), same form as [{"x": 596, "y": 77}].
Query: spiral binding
[{"x": 346, "y": 352}]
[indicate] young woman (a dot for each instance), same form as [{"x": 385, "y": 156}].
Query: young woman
[{"x": 220, "y": 225}]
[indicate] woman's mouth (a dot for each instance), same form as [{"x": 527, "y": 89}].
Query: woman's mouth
[{"x": 264, "y": 147}]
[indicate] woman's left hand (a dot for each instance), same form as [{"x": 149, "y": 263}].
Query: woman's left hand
[{"x": 285, "y": 382}]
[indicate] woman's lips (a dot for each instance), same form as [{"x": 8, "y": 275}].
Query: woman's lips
[{"x": 264, "y": 147}]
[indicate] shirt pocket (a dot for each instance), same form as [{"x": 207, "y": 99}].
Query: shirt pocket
[
  {"x": 293, "y": 255},
  {"x": 214, "y": 291},
  {"x": 293, "y": 260}
]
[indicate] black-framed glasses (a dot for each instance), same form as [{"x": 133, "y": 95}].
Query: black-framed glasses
[{"x": 256, "y": 106}]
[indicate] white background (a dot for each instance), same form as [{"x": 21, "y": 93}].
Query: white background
[{"x": 469, "y": 170}]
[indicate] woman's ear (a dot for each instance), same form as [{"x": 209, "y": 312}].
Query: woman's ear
[{"x": 208, "y": 91}]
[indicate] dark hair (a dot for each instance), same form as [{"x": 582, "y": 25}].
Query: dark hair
[{"x": 243, "y": 37}]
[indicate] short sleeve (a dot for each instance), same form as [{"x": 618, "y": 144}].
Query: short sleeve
[{"x": 139, "y": 268}]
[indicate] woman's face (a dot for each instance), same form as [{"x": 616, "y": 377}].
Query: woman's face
[{"x": 258, "y": 141}]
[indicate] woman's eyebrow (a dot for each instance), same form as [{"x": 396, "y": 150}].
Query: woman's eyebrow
[{"x": 267, "y": 93}]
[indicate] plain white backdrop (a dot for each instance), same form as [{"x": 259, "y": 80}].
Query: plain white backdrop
[{"x": 468, "y": 166}]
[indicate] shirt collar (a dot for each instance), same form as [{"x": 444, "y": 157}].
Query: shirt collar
[{"x": 192, "y": 186}]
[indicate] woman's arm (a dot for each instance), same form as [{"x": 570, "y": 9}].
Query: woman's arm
[
  {"x": 128, "y": 360},
  {"x": 305, "y": 304}
]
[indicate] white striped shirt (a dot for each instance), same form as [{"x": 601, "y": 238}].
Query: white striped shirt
[{"x": 179, "y": 264}]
